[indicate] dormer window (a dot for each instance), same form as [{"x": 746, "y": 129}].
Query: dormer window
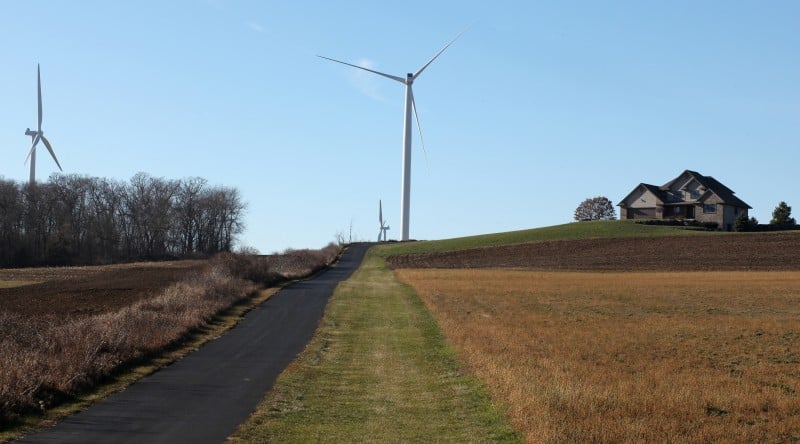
[{"x": 695, "y": 194}]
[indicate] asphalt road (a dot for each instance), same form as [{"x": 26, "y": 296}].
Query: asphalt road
[{"x": 203, "y": 397}]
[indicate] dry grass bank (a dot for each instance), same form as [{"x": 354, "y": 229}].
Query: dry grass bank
[
  {"x": 49, "y": 358},
  {"x": 629, "y": 357},
  {"x": 45, "y": 359}
]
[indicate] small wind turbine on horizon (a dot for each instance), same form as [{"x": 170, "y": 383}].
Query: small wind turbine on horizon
[
  {"x": 38, "y": 135},
  {"x": 410, "y": 104},
  {"x": 384, "y": 227}
]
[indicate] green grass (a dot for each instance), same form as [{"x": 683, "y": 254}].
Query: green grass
[
  {"x": 570, "y": 231},
  {"x": 377, "y": 370}
]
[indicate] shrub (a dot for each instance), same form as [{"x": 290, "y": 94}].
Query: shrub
[
  {"x": 742, "y": 223},
  {"x": 690, "y": 223}
]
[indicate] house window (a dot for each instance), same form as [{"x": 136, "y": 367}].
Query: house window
[
  {"x": 735, "y": 211},
  {"x": 695, "y": 194},
  {"x": 709, "y": 208},
  {"x": 677, "y": 210}
]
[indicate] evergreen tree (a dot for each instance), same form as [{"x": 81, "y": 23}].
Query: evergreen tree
[
  {"x": 781, "y": 215},
  {"x": 742, "y": 223}
]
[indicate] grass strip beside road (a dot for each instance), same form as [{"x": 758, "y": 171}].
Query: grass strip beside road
[{"x": 378, "y": 369}]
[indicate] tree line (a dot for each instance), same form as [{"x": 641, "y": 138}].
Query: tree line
[
  {"x": 79, "y": 220},
  {"x": 781, "y": 220}
]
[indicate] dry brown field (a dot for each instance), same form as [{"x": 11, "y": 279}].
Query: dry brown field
[
  {"x": 749, "y": 251},
  {"x": 629, "y": 356},
  {"x": 80, "y": 291}
]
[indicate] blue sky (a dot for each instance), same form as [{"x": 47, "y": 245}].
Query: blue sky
[{"x": 538, "y": 106}]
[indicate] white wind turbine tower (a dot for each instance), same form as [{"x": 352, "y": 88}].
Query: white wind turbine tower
[
  {"x": 384, "y": 227},
  {"x": 38, "y": 135},
  {"x": 406, "y": 178}
]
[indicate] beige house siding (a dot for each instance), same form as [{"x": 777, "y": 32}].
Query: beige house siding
[
  {"x": 639, "y": 213},
  {"x": 716, "y": 216},
  {"x": 730, "y": 215},
  {"x": 641, "y": 204},
  {"x": 642, "y": 199}
]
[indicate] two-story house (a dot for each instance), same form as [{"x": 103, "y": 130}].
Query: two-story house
[{"x": 689, "y": 196}]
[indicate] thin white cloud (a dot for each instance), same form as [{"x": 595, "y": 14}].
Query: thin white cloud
[
  {"x": 224, "y": 6},
  {"x": 254, "y": 26},
  {"x": 367, "y": 82}
]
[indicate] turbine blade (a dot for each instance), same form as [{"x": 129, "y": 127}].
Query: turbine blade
[
  {"x": 389, "y": 76},
  {"x": 440, "y": 52},
  {"x": 50, "y": 148},
  {"x": 33, "y": 147},
  {"x": 380, "y": 212},
  {"x": 422, "y": 141},
  {"x": 39, "y": 90}
]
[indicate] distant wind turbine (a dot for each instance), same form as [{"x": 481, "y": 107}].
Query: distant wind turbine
[
  {"x": 38, "y": 135},
  {"x": 406, "y": 178},
  {"x": 384, "y": 227}
]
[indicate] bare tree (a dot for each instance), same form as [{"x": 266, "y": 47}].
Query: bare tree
[
  {"x": 340, "y": 239},
  {"x": 187, "y": 212},
  {"x": 12, "y": 210},
  {"x": 106, "y": 197},
  {"x": 81, "y": 220}
]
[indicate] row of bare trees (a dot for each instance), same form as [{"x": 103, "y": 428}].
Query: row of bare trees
[{"x": 73, "y": 219}]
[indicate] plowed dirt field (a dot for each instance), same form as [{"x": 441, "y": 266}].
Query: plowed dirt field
[
  {"x": 756, "y": 251},
  {"x": 75, "y": 291}
]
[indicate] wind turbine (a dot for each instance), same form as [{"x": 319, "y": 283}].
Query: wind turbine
[
  {"x": 406, "y": 177},
  {"x": 384, "y": 227},
  {"x": 38, "y": 135}
]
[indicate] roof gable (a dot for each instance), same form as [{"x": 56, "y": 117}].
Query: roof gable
[
  {"x": 725, "y": 194},
  {"x": 682, "y": 179},
  {"x": 643, "y": 188},
  {"x": 708, "y": 186}
]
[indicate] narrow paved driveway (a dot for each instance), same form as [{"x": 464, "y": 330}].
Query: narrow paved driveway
[{"x": 203, "y": 397}]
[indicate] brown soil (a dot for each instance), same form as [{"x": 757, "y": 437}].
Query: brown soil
[
  {"x": 72, "y": 291},
  {"x": 757, "y": 251}
]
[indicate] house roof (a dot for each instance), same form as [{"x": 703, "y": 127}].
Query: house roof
[
  {"x": 651, "y": 188},
  {"x": 712, "y": 186},
  {"x": 715, "y": 186}
]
